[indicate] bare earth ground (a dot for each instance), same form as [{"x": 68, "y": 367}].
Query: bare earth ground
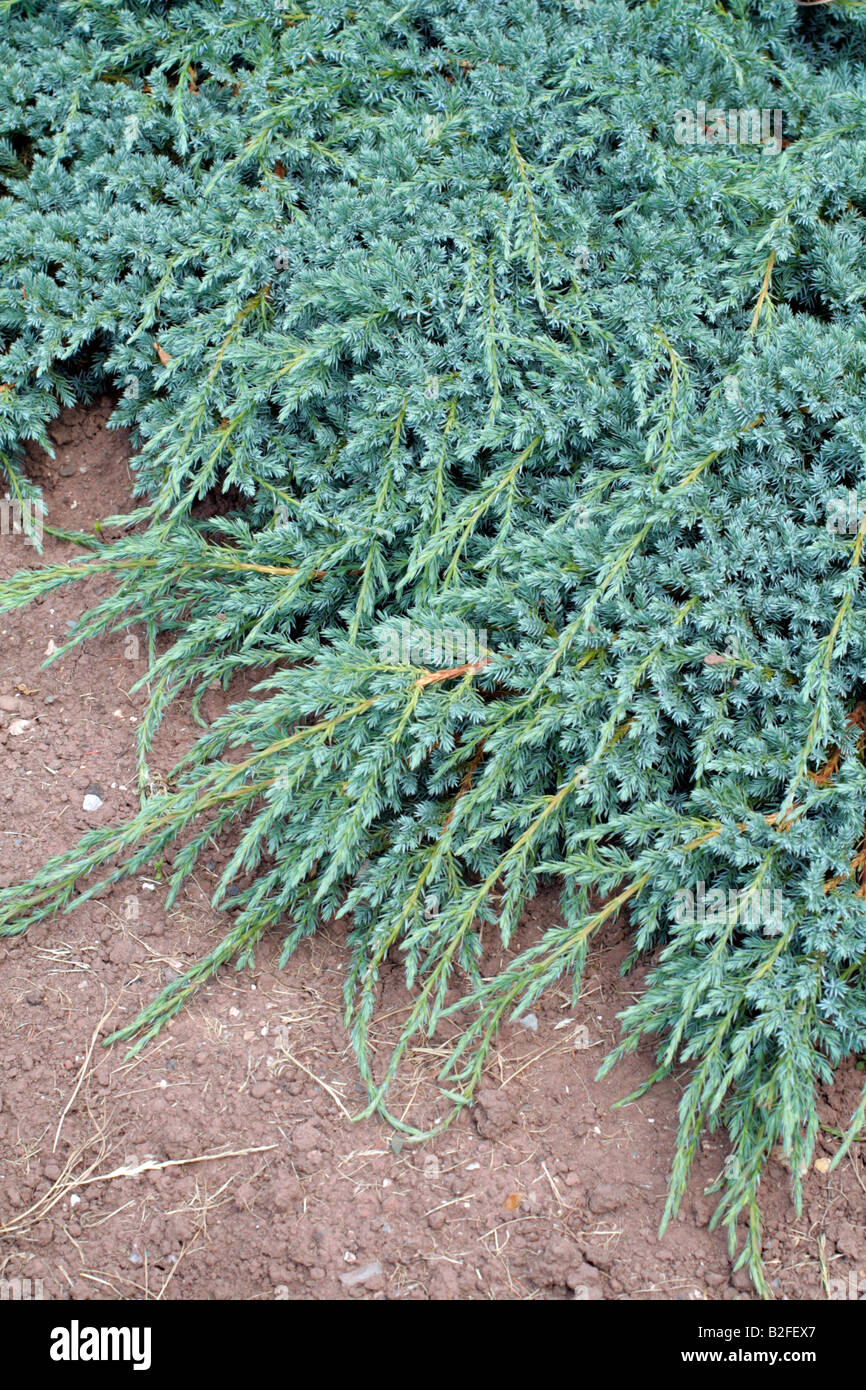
[{"x": 542, "y": 1191}]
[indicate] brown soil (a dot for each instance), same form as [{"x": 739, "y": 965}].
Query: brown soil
[{"x": 543, "y": 1190}]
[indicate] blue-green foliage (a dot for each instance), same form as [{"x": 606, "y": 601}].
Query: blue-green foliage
[{"x": 473, "y": 340}]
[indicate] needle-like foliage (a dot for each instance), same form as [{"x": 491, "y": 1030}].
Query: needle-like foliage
[{"x": 476, "y": 342}]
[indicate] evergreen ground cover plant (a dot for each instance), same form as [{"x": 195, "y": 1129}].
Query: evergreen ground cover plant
[{"x": 481, "y": 329}]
